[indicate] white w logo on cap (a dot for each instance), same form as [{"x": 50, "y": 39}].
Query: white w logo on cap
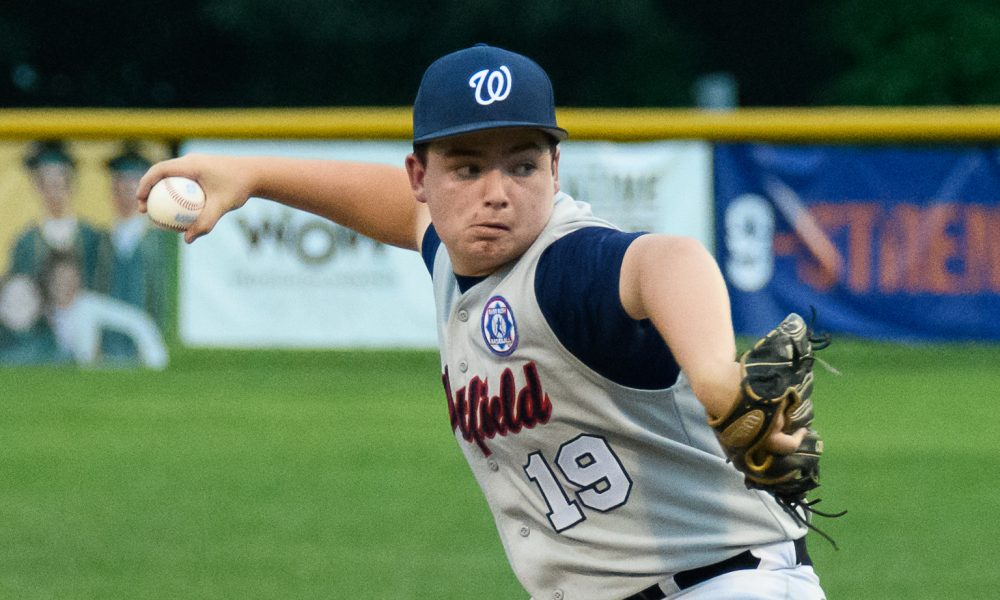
[{"x": 497, "y": 85}]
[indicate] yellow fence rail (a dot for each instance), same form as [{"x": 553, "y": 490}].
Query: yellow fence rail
[{"x": 854, "y": 124}]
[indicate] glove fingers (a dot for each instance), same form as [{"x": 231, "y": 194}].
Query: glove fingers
[
  {"x": 781, "y": 359},
  {"x": 791, "y": 475},
  {"x": 799, "y": 410}
]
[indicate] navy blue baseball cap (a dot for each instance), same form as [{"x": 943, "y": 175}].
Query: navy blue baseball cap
[{"x": 483, "y": 87}]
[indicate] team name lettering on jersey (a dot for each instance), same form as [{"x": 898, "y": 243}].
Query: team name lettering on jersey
[{"x": 480, "y": 416}]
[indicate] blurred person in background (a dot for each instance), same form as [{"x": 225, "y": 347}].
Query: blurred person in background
[
  {"x": 79, "y": 319},
  {"x": 25, "y": 337},
  {"x": 137, "y": 271},
  {"x": 58, "y": 228}
]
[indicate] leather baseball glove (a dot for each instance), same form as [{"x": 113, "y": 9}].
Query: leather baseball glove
[{"x": 777, "y": 379}]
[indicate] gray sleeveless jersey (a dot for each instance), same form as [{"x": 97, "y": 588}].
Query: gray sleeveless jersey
[{"x": 598, "y": 490}]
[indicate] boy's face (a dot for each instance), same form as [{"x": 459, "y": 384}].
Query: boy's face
[
  {"x": 489, "y": 194},
  {"x": 55, "y": 183},
  {"x": 123, "y": 186}
]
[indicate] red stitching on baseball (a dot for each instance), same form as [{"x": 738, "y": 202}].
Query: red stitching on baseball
[
  {"x": 170, "y": 226},
  {"x": 179, "y": 199}
]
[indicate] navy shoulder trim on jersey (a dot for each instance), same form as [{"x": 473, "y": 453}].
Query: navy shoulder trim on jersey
[
  {"x": 429, "y": 247},
  {"x": 577, "y": 286}
]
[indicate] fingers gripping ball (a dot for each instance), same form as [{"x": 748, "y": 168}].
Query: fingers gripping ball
[{"x": 175, "y": 202}]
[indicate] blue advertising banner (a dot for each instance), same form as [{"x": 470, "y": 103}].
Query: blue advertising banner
[{"x": 886, "y": 242}]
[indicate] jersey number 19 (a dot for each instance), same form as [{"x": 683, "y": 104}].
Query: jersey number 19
[{"x": 589, "y": 464}]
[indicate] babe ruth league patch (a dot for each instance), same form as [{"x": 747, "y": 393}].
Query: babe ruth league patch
[{"x": 499, "y": 326}]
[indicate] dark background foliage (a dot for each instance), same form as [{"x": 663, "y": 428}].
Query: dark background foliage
[{"x": 213, "y": 53}]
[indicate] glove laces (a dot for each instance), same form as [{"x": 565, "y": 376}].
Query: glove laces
[{"x": 802, "y": 510}]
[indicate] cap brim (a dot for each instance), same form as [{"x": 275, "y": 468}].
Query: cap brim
[{"x": 557, "y": 132}]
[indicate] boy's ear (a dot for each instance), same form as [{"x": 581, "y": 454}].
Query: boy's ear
[
  {"x": 555, "y": 167},
  {"x": 416, "y": 170}
]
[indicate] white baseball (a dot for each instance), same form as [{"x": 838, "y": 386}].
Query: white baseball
[{"x": 175, "y": 202}]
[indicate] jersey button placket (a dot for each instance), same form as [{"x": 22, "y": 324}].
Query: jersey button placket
[
  {"x": 558, "y": 595},
  {"x": 525, "y": 531},
  {"x": 463, "y": 316}
]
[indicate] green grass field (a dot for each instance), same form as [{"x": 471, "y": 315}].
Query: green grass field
[{"x": 334, "y": 475}]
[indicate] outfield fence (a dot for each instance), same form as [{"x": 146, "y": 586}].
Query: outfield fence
[
  {"x": 881, "y": 217},
  {"x": 845, "y": 124}
]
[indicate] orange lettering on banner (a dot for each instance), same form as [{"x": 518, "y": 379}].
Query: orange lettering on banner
[
  {"x": 941, "y": 249},
  {"x": 859, "y": 220},
  {"x": 993, "y": 231},
  {"x": 863, "y": 218},
  {"x": 786, "y": 244},
  {"x": 979, "y": 264},
  {"x": 912, "y": 244},
  {"x": 899, "y": 250},
  {"x": 979, "y": 248},
  {"x": 994, "y": 250},
  {"x": 892, "y": 265},
  {"x": 947, "y": 248},
  {"x": 810, "y": 270}
]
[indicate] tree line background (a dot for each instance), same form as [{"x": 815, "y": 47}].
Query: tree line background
[{"x": 264, "y": 53}]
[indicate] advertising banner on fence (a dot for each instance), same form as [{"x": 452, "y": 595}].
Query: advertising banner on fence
[
  {"x": 898, "y": 243},
  {"x": 270, "y": 276},
  {"x": 664, "y": 187}
]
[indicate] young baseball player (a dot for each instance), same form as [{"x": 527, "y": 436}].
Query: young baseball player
[{"x": 581, "y": 365}]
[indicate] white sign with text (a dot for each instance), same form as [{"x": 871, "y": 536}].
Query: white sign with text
[{"x": 274, "y": 277}]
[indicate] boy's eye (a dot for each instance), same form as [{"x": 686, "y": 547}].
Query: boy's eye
[
  {"x": 525, "y": 168},
  {"x": 467, "y": 171}
]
